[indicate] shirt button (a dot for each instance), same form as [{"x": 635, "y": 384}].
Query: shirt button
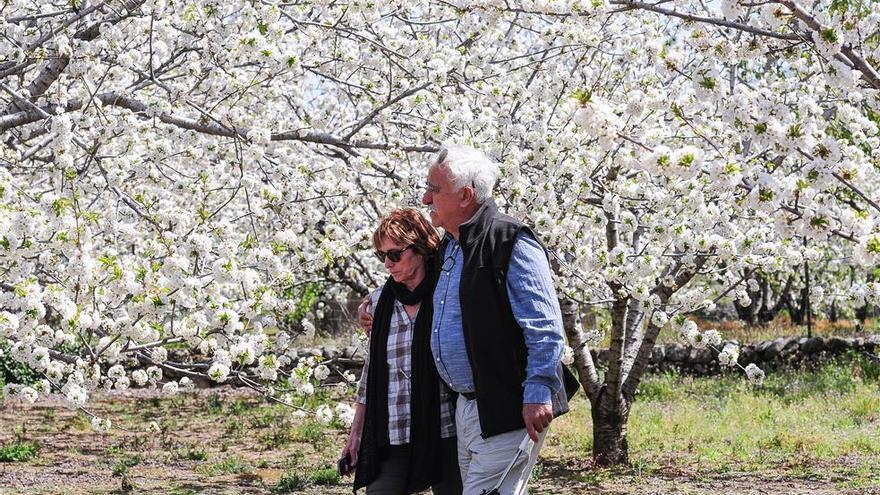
[{"x": 438, "y": 360}]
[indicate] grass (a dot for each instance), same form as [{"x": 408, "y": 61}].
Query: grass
[
  {"x": 324, "y": 476},
  {"x": 289, "y": 483},
  {"x": 807, "y": 417},
  {"x": 310, "y": 431},
  {"x": 121, "y": 467},
  {"x": 19, "y": 451},
  {"x": 809, "y": 427},
  {"x": 229, "y": 465},
  {"x": 194, "y": 454}
]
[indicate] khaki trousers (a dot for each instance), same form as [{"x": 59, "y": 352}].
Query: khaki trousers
[{"x": 483, "y": 460}]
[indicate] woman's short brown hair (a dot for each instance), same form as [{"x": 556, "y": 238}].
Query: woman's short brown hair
[{"x": 407, "y": 227}]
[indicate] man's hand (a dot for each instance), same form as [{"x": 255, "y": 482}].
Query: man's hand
[
  {"x": 365, "y": 319},
  {"x": 537, "y": 418}
]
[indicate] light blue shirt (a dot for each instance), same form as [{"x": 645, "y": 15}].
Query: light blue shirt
[{"x": 535, "y": 308}]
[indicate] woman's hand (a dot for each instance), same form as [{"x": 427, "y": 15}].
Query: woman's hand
[
  {"x": 354, "y": 437},
  {"x": 352, "y": 447},
  {"x": 365, "y": 319}
]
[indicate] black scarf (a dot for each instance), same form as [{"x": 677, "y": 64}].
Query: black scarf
[{"x": 424, "y": 469}]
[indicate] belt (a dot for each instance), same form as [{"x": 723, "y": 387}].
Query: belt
[{"x": 468, "y": 395}]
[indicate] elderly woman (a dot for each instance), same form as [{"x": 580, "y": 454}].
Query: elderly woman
[{"x": 402, "y": 439}]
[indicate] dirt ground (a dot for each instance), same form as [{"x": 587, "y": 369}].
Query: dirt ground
[{"x": 226, "y": 441}]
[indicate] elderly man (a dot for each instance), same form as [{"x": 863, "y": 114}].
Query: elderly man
[
  {"x": 497, "y": 330},
  {"x": 496, "y": 336}
]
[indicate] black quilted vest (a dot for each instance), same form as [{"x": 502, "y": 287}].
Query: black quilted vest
[{"x": 494, "y": 340}]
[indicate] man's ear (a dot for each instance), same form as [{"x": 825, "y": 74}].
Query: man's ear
[{"x": 468, "y": 196}]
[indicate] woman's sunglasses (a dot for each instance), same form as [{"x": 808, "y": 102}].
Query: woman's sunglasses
[{"x": 393, "y": 255}]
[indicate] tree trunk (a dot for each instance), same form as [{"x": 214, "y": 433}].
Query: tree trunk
[
  {"x": 795, "y": 311},
  {"x": 587, "y": 374},
  {"x": 610, "y": 415}
]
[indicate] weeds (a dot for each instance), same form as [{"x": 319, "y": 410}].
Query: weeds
[
  {"x": 324, "y": 476},
  {"x": 194, "y": 454},
  {"x": 214, "y": 404},
  {"x": 121, "y": 467},
  {"x": 230, "y": 465},
  {"x": 310, "y": 431},
  {"x": 19, "y": 451},
  {"x": 241, "y": 406},
  {"x": 289, "y": 483},
  {"x": 829, "y": 411}
]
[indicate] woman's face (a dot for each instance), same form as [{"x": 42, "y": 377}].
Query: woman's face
[{"x": 410, "y": 270}]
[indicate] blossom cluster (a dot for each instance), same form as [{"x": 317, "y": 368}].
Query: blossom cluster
[{"x": 183, "y": 178}]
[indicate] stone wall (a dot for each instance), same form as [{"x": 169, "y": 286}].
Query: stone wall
[{"x": 769, "y": 354}]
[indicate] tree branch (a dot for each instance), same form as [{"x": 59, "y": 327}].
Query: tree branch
[
  {"x": 112, "y": 99},
  {"x": 628, "y": 5}
]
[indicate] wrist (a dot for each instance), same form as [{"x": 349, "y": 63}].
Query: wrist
[{"x": 535, "y": 393}]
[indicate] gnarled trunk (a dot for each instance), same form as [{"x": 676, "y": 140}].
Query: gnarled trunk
[{"x": 610, "y": 415}]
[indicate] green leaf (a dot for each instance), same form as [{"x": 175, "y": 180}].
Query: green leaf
[
  {"x": 828, "y": 35},
  {"x": 583, "y": 96}
]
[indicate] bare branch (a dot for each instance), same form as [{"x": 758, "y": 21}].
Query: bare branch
[{"x": 628, "y": 5}]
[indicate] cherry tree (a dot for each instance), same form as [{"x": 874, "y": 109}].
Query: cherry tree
[{"x": 187, "y": 175}]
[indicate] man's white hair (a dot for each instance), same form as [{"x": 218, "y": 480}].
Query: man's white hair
[{"x": 468, "y": 167}]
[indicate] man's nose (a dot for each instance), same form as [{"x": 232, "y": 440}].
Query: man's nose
[
  {"x": 427, "y": 198},
  {"x": 388, "y": 263}
]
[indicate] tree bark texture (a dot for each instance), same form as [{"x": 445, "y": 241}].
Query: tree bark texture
[{"x": 610, "y": 415}]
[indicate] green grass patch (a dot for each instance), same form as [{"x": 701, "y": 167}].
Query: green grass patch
[
  {"x": 115, "y": 450},
  {"x": 19, "y": 451},
  {"x": 241, "y": 406},
  {"x": 310, "y": 431},
  {"x": 230, "y": 465},
  {"x": 289, "y": 483},
  {"x": 121, "y": 467},
  {"x": 324, "y": 476},
  {"x": 193, "y": 454},
  {"x": 276, "y": 438},
  {"x": 214, "y": 404},
  {"x": 799, "y": 417}
]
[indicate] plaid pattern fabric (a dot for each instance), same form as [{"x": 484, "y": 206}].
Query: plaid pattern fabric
[{"x": 399, "y": 384}]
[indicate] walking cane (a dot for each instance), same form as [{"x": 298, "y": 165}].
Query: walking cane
[{"x": 524, "y": 447}]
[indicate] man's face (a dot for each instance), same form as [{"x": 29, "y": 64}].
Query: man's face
[{"x": 444, "y": 203}]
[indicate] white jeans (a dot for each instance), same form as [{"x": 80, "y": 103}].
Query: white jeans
[{"x": 483, "y": 460}]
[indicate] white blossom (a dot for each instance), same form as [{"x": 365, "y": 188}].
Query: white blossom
[
  {"x": 567, "y": 355},
  {"x": 729, "y": 355},
  {"x": 101, "y": 425},
  {"x": 345, "y": 413},
  {"x": 218, "y": 372},
  {"x": 170, "y": 388},
  {"x": 324, "y": 414},
  {"x": 321, "y": 372},
  {"x": 755, "y": 374}
]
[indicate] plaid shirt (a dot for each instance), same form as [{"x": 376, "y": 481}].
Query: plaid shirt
[{"x": 399, "y": 383}]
